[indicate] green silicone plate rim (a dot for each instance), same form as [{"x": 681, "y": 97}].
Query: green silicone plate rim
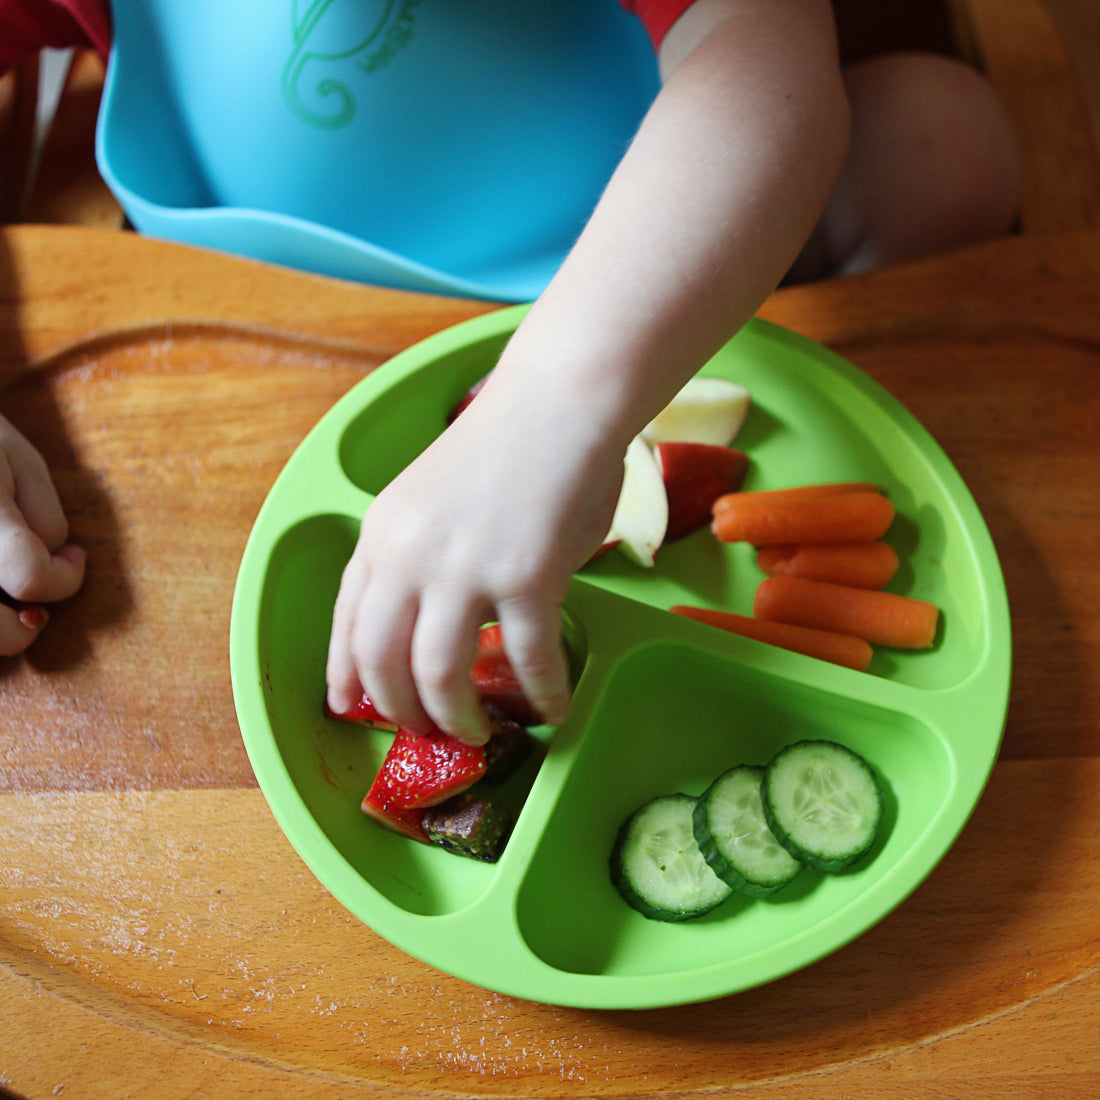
[{"x": 973, "y": 709}]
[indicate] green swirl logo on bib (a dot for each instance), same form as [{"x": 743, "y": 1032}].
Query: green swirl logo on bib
[{"x": 326, "y": 53}]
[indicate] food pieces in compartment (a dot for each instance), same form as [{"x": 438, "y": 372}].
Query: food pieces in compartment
[
  {"x": 657, "y": 866},
  {"x": 438, "y": 790},
  {"x": 816, "y": 803},
  {"x": 674, "y": 469},
  {"x": 468, "y": 826},
  {"x": 822, "y": 549}
]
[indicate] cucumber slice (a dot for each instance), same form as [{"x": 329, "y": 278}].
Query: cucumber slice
[
  {"x": 733, "y": 835},
  {"x": 657, "y": 866},
  {"x": 823, "y": 802}
]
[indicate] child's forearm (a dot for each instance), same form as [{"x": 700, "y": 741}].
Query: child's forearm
[{"x": 709, "y": 207}]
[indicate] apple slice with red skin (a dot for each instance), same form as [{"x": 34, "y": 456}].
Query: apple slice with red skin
[
  {"x": 706, "y": 410},
  {"x": 641, "y": 512},
  {"x": 695, "y": 475}
]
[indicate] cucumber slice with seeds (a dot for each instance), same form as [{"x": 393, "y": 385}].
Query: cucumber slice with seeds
[
  {"x": 733, "y": 835},
  {"x": 823, "y": 802},
  {"x": 657, "y": 866}
]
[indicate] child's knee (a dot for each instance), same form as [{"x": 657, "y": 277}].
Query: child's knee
[
  {"x": 951, "y": 136},
  {"x": 932, "y": 163}
]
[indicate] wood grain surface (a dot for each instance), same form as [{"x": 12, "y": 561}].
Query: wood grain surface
[{"x": 160, "y": 938}]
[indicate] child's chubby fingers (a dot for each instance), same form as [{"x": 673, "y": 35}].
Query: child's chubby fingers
[
  {"x": 19, "y": 626},
  {"x": 341, "y": 677},
  {"x": 369, "y": 649},
  {"x": 28, "y": 490},
  {"x": 379, "y": 641},
  {"x": 37, "y": 501},
  {"x": 531, "y": 633},
  {"x": 443, "y": 648},
  {"x": 30, "y": 570}
]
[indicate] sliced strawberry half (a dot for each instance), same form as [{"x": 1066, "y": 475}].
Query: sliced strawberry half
[
  {"x": 364, "y": 713},
  {"x": 378, "y": 805},
  {"x": 465, "y": 399},
  {"x": 496, "y": 681},
  {"x": 381, "y": 803},
  {"x": 426, "y": 769},
  {"x": 695, "y": 476}
]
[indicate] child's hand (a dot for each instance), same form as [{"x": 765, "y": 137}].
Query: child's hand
[
  {"x": 490, "y": 523},
  {"x": 36, "y": 566},
  {"x": 713, "y": 200}
]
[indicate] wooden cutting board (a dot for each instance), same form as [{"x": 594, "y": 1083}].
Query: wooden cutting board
[{"x": 158, "y": 935}]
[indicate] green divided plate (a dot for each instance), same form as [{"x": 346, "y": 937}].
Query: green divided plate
[{"x": 661, "y": 703}]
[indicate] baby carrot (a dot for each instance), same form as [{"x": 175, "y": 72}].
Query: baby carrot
[
  {"x": 882, "y": 618},
  {"x": 845, "y": 517},
  {"x": 796, "y": 492},
  {"x": 868, "y": 564},
  {"x": 826, "y": 645}
]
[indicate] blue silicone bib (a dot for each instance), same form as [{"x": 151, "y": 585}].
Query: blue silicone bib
[{"x": 455, "y": 146}]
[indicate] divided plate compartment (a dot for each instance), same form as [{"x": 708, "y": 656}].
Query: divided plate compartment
[{"x": 661, "y": 703}]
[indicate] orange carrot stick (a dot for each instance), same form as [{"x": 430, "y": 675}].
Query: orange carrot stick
[
  {"x": 865, "y": 564},
  {"x": 846, "y": 517},
  {"x": 796, "y": 492},
  {"x": 882, "y": 618},
  {"x": 826, "y": 645}
]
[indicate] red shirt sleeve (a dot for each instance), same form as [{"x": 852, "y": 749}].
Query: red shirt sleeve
[
  {"x": 657, "y": 15},
  {"x": 27, "y": 26}
]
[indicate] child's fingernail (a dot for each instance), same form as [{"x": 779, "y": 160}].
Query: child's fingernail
[{"x": 34, "y": 618}]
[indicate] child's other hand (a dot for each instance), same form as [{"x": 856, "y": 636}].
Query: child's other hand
[
  {"x": 490, "y": 523},
  {"x": 36, "y": 565}
]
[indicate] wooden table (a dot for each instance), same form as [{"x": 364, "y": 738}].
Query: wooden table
[{"x": 160, "y": 938}]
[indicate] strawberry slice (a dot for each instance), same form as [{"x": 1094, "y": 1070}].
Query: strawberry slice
[
  {"x": 426, "y": 769},
  {"x": 496, "y": 681},
  {"x": 364, "y": 713},
  {"x": 382, "y": 803},
  {"x": 379, "y": 805},
  {"x": 465, "y": 399},
  {"x": 422, "y": 772},
  {"x": 695, "y": 476},
  {"x": 493, "y": 677}
]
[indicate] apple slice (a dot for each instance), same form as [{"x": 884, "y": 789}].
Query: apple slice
[
  {"x": 695, "y": 476},
  {"x": 706, "y": 410},
  {"x": 641, "y": 514}
]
